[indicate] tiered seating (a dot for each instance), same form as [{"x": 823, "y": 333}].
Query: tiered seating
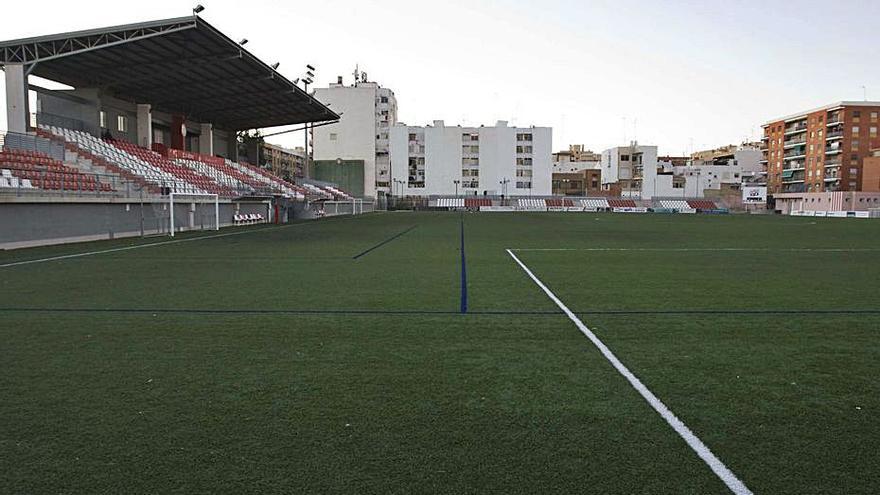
[
  {"x": 275, "y": 183},
  {"x": 339, "y": 193},
  {"x": 32, "y": 170},
  {"x": 531, "y": 204},
  {"x": 248, "y": 218},
  {"x": 621, "y": 203},
  {"x": 675, "y": 204},
  {"x": 595, "y": 203},
  {"x": 180, "y": 173},
  {"x": 702, "y": 204},
  {"x": 450, "y": 203},
  {"x": 558, "y": 203},
  {"x": 477, "y": 202},
  {"x": 223, "y": 175},
  {"x": 120, "y": 162}
]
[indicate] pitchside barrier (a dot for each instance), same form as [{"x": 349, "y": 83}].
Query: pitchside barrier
[
  {"x": 578, "y": 209},
  {"x": 835, "y": 214}
]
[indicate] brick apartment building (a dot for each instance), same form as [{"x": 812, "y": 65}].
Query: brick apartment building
[{"x": 821, "y": 150}]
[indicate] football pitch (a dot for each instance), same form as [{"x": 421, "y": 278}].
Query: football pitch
[{"x": 448, "y": 353}]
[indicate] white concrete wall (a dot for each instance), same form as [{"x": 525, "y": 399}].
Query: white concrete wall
[
  {"x": 355, "y": 133},
  {"x": 442, "y": 161},
  {"x": 542, "y": 160}
]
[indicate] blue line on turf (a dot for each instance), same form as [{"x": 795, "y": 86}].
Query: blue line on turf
[
  {"x": 386, "y": 241},
  {"x": 464, "y": 294}
]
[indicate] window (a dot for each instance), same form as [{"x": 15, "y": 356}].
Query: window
[
  {"x": 474, "y": 162},
  {"x": 855, "y": 129},
  {"x": 853, "y": 171},
  {"x": 122, "y": 123},
  {"x": 873, "y": 132},
  {"x": 102, "y": 116},
  {"x": 332, "y": 136},
  {"x": 383, "y": 99},
  {"x": 855, "y": 145},
  {"x": 624, "y": 158}
]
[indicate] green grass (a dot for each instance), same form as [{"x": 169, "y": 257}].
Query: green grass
[{"x": 271, "y": 361}]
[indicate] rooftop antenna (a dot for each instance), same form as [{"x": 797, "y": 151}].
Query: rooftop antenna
[
  {"x": 357, "y": 74},
  {"x": 865, "y": 92}
]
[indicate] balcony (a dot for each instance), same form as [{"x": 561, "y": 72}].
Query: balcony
[
  {"x": 834, "y": 120},
  {"x": 832, "y": 150},
  {"x": 834, "y": 135},
  {"x": 835, "y": 162},
  {"x": 794, "y": 142},
  {"x": 794, "y": 155},
  {"x": 796, "y": 129}
]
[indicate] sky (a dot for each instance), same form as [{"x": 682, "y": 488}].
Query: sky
[{"x": 683, "y": 75}]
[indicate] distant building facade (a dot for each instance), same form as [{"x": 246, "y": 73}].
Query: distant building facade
[
  {"x": 283, "y": 162},
  {"x": 576, "y": 153},
  {"x": 442, "y": 160},
  {"x": 585, "y": 182},
  {"x": 822, "y": 149},
  {"x": 368, "y": 112}
]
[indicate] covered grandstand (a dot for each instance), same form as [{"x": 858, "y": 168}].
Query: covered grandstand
[{"x": 155, "y": 109}]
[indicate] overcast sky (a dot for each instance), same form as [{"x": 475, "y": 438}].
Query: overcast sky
[{"x": 689, "y": 74}]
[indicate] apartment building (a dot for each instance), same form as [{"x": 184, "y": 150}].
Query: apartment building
[
  {"x": 283, "y": 162},
  {"x": 725, "y": 168},
  {"x": 576, "y": 153},
  {"x": 821, "y": 149},
  {"x": 368, "y": 112},
  {"x": 632, "y": 169},
  {"x": 443, "y": 160},
  {"x": 871, "y": 172},
  {"x": 584, "y": 182}
]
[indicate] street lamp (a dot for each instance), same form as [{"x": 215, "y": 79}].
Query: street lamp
[
  {"x": 456, "y": 182},
  {"x": 504, "y": 183}
]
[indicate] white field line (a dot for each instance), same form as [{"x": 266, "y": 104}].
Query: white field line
[
  {"x": 718, "y": 467},
  {"x": 763, "y": 250},
  {"x": 152, "y": 244}
]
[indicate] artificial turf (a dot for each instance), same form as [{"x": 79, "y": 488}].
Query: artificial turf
[{"x": 333, "y": 356}]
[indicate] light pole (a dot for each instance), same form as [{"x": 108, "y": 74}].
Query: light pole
[
  {"x": 307, "y": 78},
  {"x": 456, "y": 182},
  {"x": 504, "y": 183}
]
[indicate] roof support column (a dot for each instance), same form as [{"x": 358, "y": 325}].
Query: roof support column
[
  {"x": 144, "y": 126},
  {"x": 17, "y": 113},
  {"x": 206, "y": 140}
]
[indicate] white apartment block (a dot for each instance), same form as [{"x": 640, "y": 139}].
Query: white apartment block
[
  {"x": 441, "y": 160},
  {"x": 634, "y": 169},
  {"x": 368, "y": 112},
  {"x": 727, "y": 171}
]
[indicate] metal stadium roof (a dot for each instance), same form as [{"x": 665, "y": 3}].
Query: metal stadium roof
[{"x": 181, "y": 65}]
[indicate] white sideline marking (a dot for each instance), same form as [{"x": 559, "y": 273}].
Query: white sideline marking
[
  {"x": 718, "y": 467},
  {"x": 794, "y": 250},
  {"x": 139, "y": 246}
]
